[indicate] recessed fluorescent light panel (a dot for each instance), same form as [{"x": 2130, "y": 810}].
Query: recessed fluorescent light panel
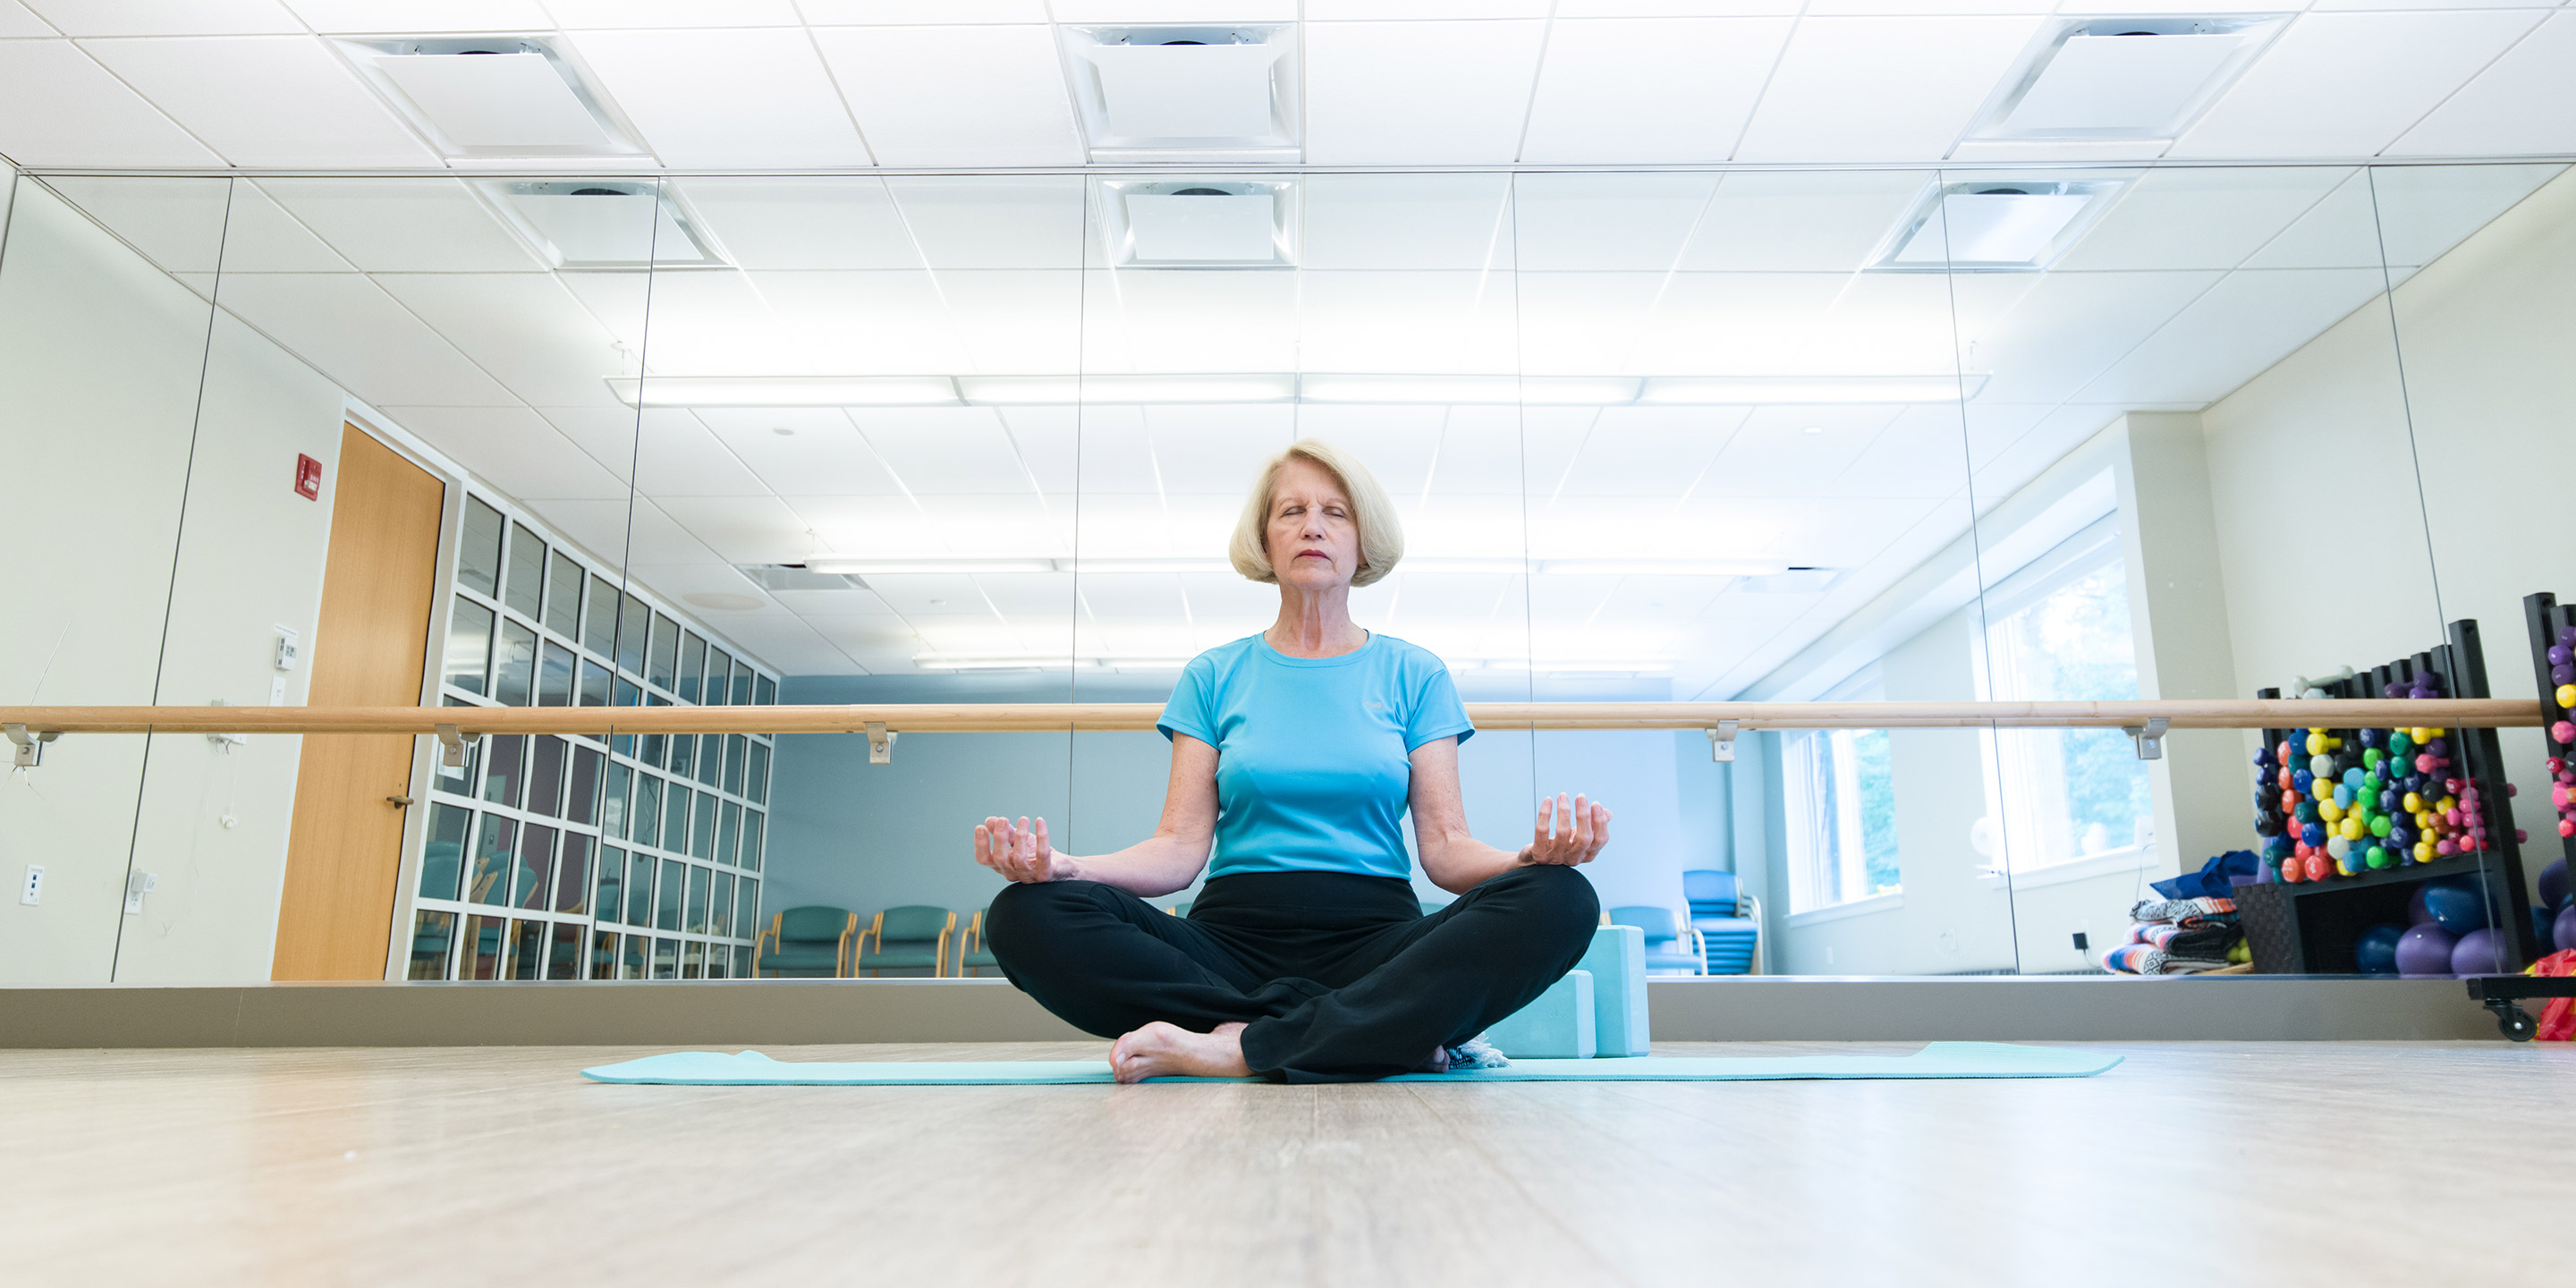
[
  {"x": 1186, "y": 93},
  {"x": 2125, "y": 78},
  {"x": 603, "y": 224},
  {"x": 1181, "y": 389},
  {"x": 1199, "y": 223},
  {"x": 2002, "y": 225},
  {"x": 493, "y": 96}
]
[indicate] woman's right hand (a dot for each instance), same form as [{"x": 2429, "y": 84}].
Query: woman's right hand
[{"x": 1020, "y": 851}]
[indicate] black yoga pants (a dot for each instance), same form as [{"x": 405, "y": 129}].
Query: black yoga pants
[{"x": 1339, "y": 976}]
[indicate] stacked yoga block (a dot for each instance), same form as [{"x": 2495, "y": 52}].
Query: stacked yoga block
[{"x": 1597, "y": 1009}]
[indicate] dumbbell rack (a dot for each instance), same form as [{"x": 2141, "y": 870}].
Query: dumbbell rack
[
  {"x": 2315, "y": 927},
  {"x": 2543, "y": 616}
]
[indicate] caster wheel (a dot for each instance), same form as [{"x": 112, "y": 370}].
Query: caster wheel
[{"x": 2516, "y": 1023}]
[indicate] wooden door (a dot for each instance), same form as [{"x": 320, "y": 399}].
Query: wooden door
[{"x": 379, "y": 591}]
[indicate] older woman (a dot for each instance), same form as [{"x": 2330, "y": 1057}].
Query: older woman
[{"x": 1295, "y": 753}]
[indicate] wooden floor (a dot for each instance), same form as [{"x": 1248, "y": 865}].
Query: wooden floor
[{"x": 2349, "y": 1164}]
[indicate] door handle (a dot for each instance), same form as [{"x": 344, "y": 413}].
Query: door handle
[{"x": 398, "y": 800}]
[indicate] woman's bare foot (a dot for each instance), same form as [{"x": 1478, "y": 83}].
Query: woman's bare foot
[{"x": 1161, "y": 1050}]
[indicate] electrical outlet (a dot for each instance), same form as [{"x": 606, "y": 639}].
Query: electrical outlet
[{"x": 32, "y": 890}]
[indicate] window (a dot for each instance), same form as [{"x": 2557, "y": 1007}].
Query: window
[
  {"x": 1841, "y": 796},
  {"x": 2059, "y": 631}
]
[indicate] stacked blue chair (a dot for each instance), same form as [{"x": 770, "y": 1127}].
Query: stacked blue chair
[
  {"x": 1670, "y": 945},
  {"x": 1728, "y": 920}
]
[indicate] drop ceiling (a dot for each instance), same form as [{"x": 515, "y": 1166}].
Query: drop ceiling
[{"x": 997, "y": 83}]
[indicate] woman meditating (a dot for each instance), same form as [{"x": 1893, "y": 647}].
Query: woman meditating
[{"x": 1295, "y": 753}]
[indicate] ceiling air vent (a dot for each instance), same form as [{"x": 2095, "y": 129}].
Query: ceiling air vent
[
  {"x": 1199, "y": 223},
  {"x": 2124, "y": 78},
  {"x": 1995, "y": 225},
  {"x": 603, "y": 224},
  {"x": 1186, "y": 93},
  {"x": 496, "y": 96}
]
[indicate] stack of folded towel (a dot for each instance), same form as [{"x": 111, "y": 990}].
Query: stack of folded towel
[{"x": 2180, "y": 937}]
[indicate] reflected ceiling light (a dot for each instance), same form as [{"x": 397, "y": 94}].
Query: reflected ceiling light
[
  {"x": 784, "y": 391},
  {"x": 1995, "y": 225},
  {"x": 1199, "y": 223},
  {"x": 1067, "y": 391},
  {"x": 857, "y": 567},
  {"x": 1808, "y": 390},
  {"x": 1534, "y": 391},
  {"x": 2124, "y": 78},
  {"x": 602, "y": 224}
]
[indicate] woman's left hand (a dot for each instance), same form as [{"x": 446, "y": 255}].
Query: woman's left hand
[{"x": 1586, "y": 828}]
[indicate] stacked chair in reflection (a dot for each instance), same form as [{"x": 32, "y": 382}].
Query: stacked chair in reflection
[
  {"x": 911, "y": 937},
  {"x": 812, "y": 942},
  {"x": 1728, "y": 920}
]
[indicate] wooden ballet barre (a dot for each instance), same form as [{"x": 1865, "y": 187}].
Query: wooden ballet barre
[{"x": 1107, "y": 717}]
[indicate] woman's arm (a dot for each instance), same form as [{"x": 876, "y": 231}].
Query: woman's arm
[
  {"x": 1457, "y": 862},
  {"x": 1166, "y": 861}
]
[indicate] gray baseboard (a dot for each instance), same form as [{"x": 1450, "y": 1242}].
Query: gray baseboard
[{"x": 738, "y": 1013}]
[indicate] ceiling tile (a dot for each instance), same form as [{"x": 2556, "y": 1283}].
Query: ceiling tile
[
  {"x": 1027, "y": 323},
  {"x": 573, "y": 14},
  {"x": 937, "y": 450},
  {"x": 2347, "y": 84},
  {"x": 167, "y": 17},
  {"x": 2199, "y": 218},
  {"x": 2424, "y": 211},
  {"x": 965, "y": 96},
  {"x": 1797, "y": 451},
  {"x": 993, "y": 221},
  {"x": 678, "y": 457},
  {"x": 514, "y": 448},
  {"x": 878, "y": 526},
  {"x": 1880, "y": 89},
  {"x": 1409, "y": 221},
  {"x": 2232, "y": 334},
  {"x": 1185, "y": 321},
  {"x": 265, "y": 100},
  {"x": 17, "y": 20},
  {"x": 1371, "y": 10},
  {"x": 703, "y": 323},
  {"x": 2524, "y": 103},
  {"x": 404, "y": 225},
  {"x": 1649, "y": 451},
  {"x": 59, "y": 107},
  {"x": 260, "y": 237},
  {"x": 2340, "y": 231},
  {"x": 178, "y": 223},
  {"x": 1449, "y": 322},
  {"x": 1598, "y": 222},
  {"x": 1919, "y": 452},
  {"x": 756, "y": 97},
  {"x": 865, "y": 323},
  {"x": 355, "y": 334},
  {"x": 1649, "y": 89},
  {"x": 617, "y": 531},
  {"x": 1914, "y": 8},
  {"x": 829, "y": 13},
  {"x": 1801, "y": 221},
  {"x": 1217, "y": 450},
  {"x": 524, "y": 328},
  {"x": 743, "y": 529},
  {"x": 422, "y": 16},
  {"x": 823, "y": 453},
  {"x": 1430, "y": 92},
  {"x": 803, "y": 223},
  {"x": 2071, "y": 326}
]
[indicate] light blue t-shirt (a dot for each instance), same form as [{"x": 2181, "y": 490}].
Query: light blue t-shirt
[{"x": 1312, "y": 772}]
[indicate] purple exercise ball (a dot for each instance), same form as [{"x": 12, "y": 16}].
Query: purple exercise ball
[
  {"x": 2563, "y": 934},
  {"x": 2553, "y": 884},
  {"x": 2424, "y": 952},
  {"x": 2416, "y": 913},
  {"x": 2479, "y": 952}
]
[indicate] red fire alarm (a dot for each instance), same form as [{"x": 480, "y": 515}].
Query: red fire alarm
[{"x": 308, "y": 477}]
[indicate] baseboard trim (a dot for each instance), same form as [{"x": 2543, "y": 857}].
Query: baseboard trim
[{"x": 734, "y": 1013}]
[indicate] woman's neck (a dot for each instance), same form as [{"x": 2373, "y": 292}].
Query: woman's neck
[{"x": 1315, "y": 624}]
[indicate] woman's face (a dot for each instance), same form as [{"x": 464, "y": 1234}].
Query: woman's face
[{"x": 1313, "y": 539}]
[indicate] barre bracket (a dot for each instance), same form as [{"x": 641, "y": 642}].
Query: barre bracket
[
  {"x": 453, "y": 744},
  {"x": 31, "y": 746},
  {"x": 2150, "y": 737},
  {"x": 1721, "y": 741},
  {"x": 880, "y": 743}
]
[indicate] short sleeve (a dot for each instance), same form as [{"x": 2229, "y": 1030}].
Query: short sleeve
[
  {"x": 1436, "y": 711},
  {"x": 1192, "y": 709}
]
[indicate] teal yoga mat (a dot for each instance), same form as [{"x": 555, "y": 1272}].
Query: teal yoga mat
[{"x": 1938, "y": 1060}]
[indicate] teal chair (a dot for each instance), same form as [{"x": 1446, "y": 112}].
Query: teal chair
[
  {"x": 1728, "y": 920},
  {"x": 915, "y": 935},
  {"x": 1671, "y": 943},
  {"x": 812, "y": 942},
  {"x": 973, "y": 953}
]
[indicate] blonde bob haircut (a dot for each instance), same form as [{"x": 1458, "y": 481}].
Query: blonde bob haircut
[{"x": 1381, "y": 533}]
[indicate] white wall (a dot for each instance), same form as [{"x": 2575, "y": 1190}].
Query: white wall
[{"x": 2486, "y": 333}]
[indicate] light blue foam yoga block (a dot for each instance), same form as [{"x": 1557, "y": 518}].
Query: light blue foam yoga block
[
  {"x": 1938, "y": 1060},
  {"x": 1617, "y": 960},
  {"x": 1558, "y": 1026}
]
